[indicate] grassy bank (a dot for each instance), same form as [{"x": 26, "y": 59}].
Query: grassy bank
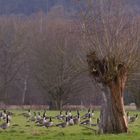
[{"x": 20, "y": 129}]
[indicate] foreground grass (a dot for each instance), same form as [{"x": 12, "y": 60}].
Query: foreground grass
[{"x": 28, "y": 131}]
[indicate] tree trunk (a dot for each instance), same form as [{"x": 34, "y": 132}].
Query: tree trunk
[
  {"x": 113, "y": 117},
  {"x": 58, "y": 104},
  {"x": 24, "y": 90}
]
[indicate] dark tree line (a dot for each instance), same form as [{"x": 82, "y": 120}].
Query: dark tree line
[{"x": 28, "y": 7}]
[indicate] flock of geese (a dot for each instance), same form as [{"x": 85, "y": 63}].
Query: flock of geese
[{"x": 64, "y": 119}]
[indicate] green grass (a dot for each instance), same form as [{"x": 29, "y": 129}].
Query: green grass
[{"x": 32, "y": 132}]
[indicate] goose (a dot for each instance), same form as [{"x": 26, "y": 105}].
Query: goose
[
  {"x": 77, "y": 114},
  {"x": 44, "y": 113},
  {"x": 70, "y": 114},
  {"x": 60, "y": 116},
  {"x": 4, "y": 114},
  {"x": 66, "y": 114},
  {"x": 133, "y": 118},
  {"x": 63, "y": 124},
  {"x": 128, "y": 116},
  {"x": 1, "y": 116},
  {"x": 92, "y": 113},
  {"x": 77, "y": 119},
  {"x": 71, "y": 121},
  {"x": 86, "y": 115},
  {"x": 88, "y": 121},
  {"x": 9, "y": 117},
  {"x": 49, "y": 123},
  {"x": 29, "y": 112},
  {"x": 6, "y": 124},
  {"x": 42, "y": 122},
  {"x": 27, "y": 115},
  {"x": 38, "y": 116},
  {"x": 39, "y": 119},
  {"x": 10, "y": 114},
  {"x": 33, "y": 118}
]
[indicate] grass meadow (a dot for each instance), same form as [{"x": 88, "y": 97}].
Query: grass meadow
[{"x": 20, "y": 129}]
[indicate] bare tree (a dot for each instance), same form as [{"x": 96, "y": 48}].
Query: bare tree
[
  {"x": 10, "y": 54},
  {"x": 112, "y": 36},
  {"x": 55, "y": 55}
]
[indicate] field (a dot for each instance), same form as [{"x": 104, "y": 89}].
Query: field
[{"x": 28, "y": 131}]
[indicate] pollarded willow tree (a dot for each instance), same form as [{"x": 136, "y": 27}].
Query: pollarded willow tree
[{"x": 112, "y": 34}]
